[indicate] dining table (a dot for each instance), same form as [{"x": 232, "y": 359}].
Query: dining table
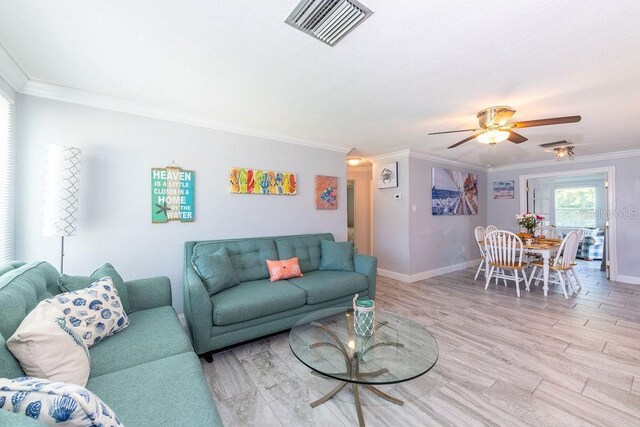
[{"x": 546, "y": 249}]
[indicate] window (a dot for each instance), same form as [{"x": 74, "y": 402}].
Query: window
[
  {"x": 7, "y": 206},
  {"x": 576, "y": 207}
]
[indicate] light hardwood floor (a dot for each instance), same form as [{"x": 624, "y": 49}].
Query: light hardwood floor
[{"x": 503, "y": 361}]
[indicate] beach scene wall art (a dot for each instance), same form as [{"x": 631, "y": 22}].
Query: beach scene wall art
[{"x": 453, "y": 192}]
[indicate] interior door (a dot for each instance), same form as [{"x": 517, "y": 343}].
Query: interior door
[
  {"x": 606, "y": 262},
  {"x": 539, "y": 198}
]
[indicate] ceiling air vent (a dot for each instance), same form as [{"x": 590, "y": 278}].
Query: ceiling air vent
[
  {"x": 328, "y": 20},
  {"x": 562, "y": 143}
]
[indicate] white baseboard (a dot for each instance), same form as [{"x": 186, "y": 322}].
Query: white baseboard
[
  {"x": 633, "y": 280},
  {"x": 411, "y": 278}
]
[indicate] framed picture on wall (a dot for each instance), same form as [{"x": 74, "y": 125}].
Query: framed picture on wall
[
  {"x": 453, "y": 192},
  {"x": 326, "y": 192},
  {"x": 503, "y": 189},
  {"x": 388, "y": 175}
]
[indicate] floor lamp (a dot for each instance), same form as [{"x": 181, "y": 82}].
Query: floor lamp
[{"x": 62, "y": 187}]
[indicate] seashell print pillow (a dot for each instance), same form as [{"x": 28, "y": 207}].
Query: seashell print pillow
[
  {"x": 95, "y": 312},
  {"x": 47, "y": 347},
  {"x": 55, "y": 403}
]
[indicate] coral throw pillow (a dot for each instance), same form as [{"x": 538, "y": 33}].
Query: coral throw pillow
[{"x": 284, "y": 269}]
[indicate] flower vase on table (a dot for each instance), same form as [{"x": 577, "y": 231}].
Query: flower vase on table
[{"x": 529, "y": 221}]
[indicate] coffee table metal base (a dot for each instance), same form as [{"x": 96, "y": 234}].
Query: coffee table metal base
[{"x": 353, "y": 370}]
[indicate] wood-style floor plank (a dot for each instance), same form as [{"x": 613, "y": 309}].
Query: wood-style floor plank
[{"x": 504, "y": 361}]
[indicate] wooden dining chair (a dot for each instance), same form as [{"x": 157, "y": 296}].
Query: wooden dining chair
[
  {"x": 480, "y": 233},
  {"x": 548, "y": 232},
  {"x": 504, "y": 252},
  {"x": 562, "y": 265},
  {"x": 491, "y": 228}
]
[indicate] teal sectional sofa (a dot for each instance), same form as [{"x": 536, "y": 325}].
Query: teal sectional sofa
[
  {"x": 257, "y": 307},
  {"x": 147, "y": 373}
]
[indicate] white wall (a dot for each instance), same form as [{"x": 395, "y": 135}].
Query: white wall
[
  {"x": 627, "y": 180},
  {"x": 441, "y": 241},
  {"x": 412, "y": 245},
  {"x": 115, "y": 221},
  {"x": 391, "y": 221}
]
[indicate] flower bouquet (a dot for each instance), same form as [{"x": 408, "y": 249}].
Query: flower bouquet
[{"x": 529, "y": 221}]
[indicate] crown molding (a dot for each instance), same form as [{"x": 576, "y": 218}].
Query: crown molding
[
  {"x": 409, "y": 153},
  {"x": 395, "y": 155},
  {"x": 11, "y": 72},
  {"x": 573, "y": 160},
  {"x": 113, "y": 103},
  {"x": 424, "y": 156}
]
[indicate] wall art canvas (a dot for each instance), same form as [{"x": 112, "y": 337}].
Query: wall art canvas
[
  {"x": 172, "y": 194},
  {"x": 453, "y": 192},
  {"x": 257, "y": 181},
  {"x": 503, "y": 190},
  {"x": 388, "y": 175},
  {"x": 326, "y": 192}
]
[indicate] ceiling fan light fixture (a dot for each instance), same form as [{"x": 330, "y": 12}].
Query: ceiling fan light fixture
[
  {"x": 493, "y": 137},
  {"x": 562, "y": 152}
]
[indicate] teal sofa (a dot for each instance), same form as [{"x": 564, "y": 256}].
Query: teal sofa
[
  {"x": 257, "y": 307},
  {"x": 147, "y": 373}
]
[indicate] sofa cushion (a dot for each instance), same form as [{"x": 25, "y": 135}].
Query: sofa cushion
[
  {"x": 75, "y": 283},
  {"x": 152, "y": 334},
  {"x": 22, "y": 289},
  {"x": 171, "y": 391},
  {"x": 215, "y": 270},
  {"x": 248, "y": 257},
  {"x": 55, "y": 403},
  {"x": 306, "y": 248},
  {"x": 10, "y": 266},
  {"x": 336, "y": 256},
  {"x": 321, "y": 286},
  {"x": 250, "y": 300},
  {"x": 9, "y": 365},
  {"x": 47, "y": 347}
]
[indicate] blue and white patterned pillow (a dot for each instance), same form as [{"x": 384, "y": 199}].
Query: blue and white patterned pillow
[
  {"x": 55, "y": 403},
  {"x": 95, "y": 312}
]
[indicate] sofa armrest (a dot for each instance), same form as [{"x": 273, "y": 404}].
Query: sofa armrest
[
  {"x": 149, "y": 293},
  {"x": 367, "y": 265},
  {"x": 198, "y": 310}
]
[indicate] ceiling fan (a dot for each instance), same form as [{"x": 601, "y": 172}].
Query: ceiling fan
[{"x": 495, "y": 126}]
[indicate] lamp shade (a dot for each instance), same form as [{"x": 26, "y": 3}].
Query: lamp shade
[{"x": 62, "y": 187}]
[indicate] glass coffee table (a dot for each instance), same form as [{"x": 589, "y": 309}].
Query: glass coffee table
[{"x": 399, "y": 350}]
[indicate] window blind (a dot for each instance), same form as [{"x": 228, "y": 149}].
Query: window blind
[{"x": 7, "y": 187}]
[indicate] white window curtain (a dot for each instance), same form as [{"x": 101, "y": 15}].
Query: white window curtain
[{"x": 7, "y": 183}]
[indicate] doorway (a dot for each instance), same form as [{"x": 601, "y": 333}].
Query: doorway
[
  {"x": 359, "y": 208},
  {"x": 581, "y": 199}
]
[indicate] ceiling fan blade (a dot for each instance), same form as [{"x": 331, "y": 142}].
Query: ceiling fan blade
[
  {"x": 454, "y": 131},
  {"x": 546, "y": 122},
  {"x": 464, "y": 140},
  {"x": 502, "y": 117},
  {"x": 516, "y": 137}
]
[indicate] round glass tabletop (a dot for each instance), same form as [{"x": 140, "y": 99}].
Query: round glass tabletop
[{"x": 398, "y": 350}]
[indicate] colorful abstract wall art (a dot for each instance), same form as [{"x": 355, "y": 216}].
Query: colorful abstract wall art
[
  {"x": 453, "y": 192},
  {"x": 172, "y": 194},
  {"x": 326, "y": 192},
  {"x": 256, "y": 181}
]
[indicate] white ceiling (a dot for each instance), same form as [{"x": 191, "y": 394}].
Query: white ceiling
[{"x": 414, "y": 67}]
